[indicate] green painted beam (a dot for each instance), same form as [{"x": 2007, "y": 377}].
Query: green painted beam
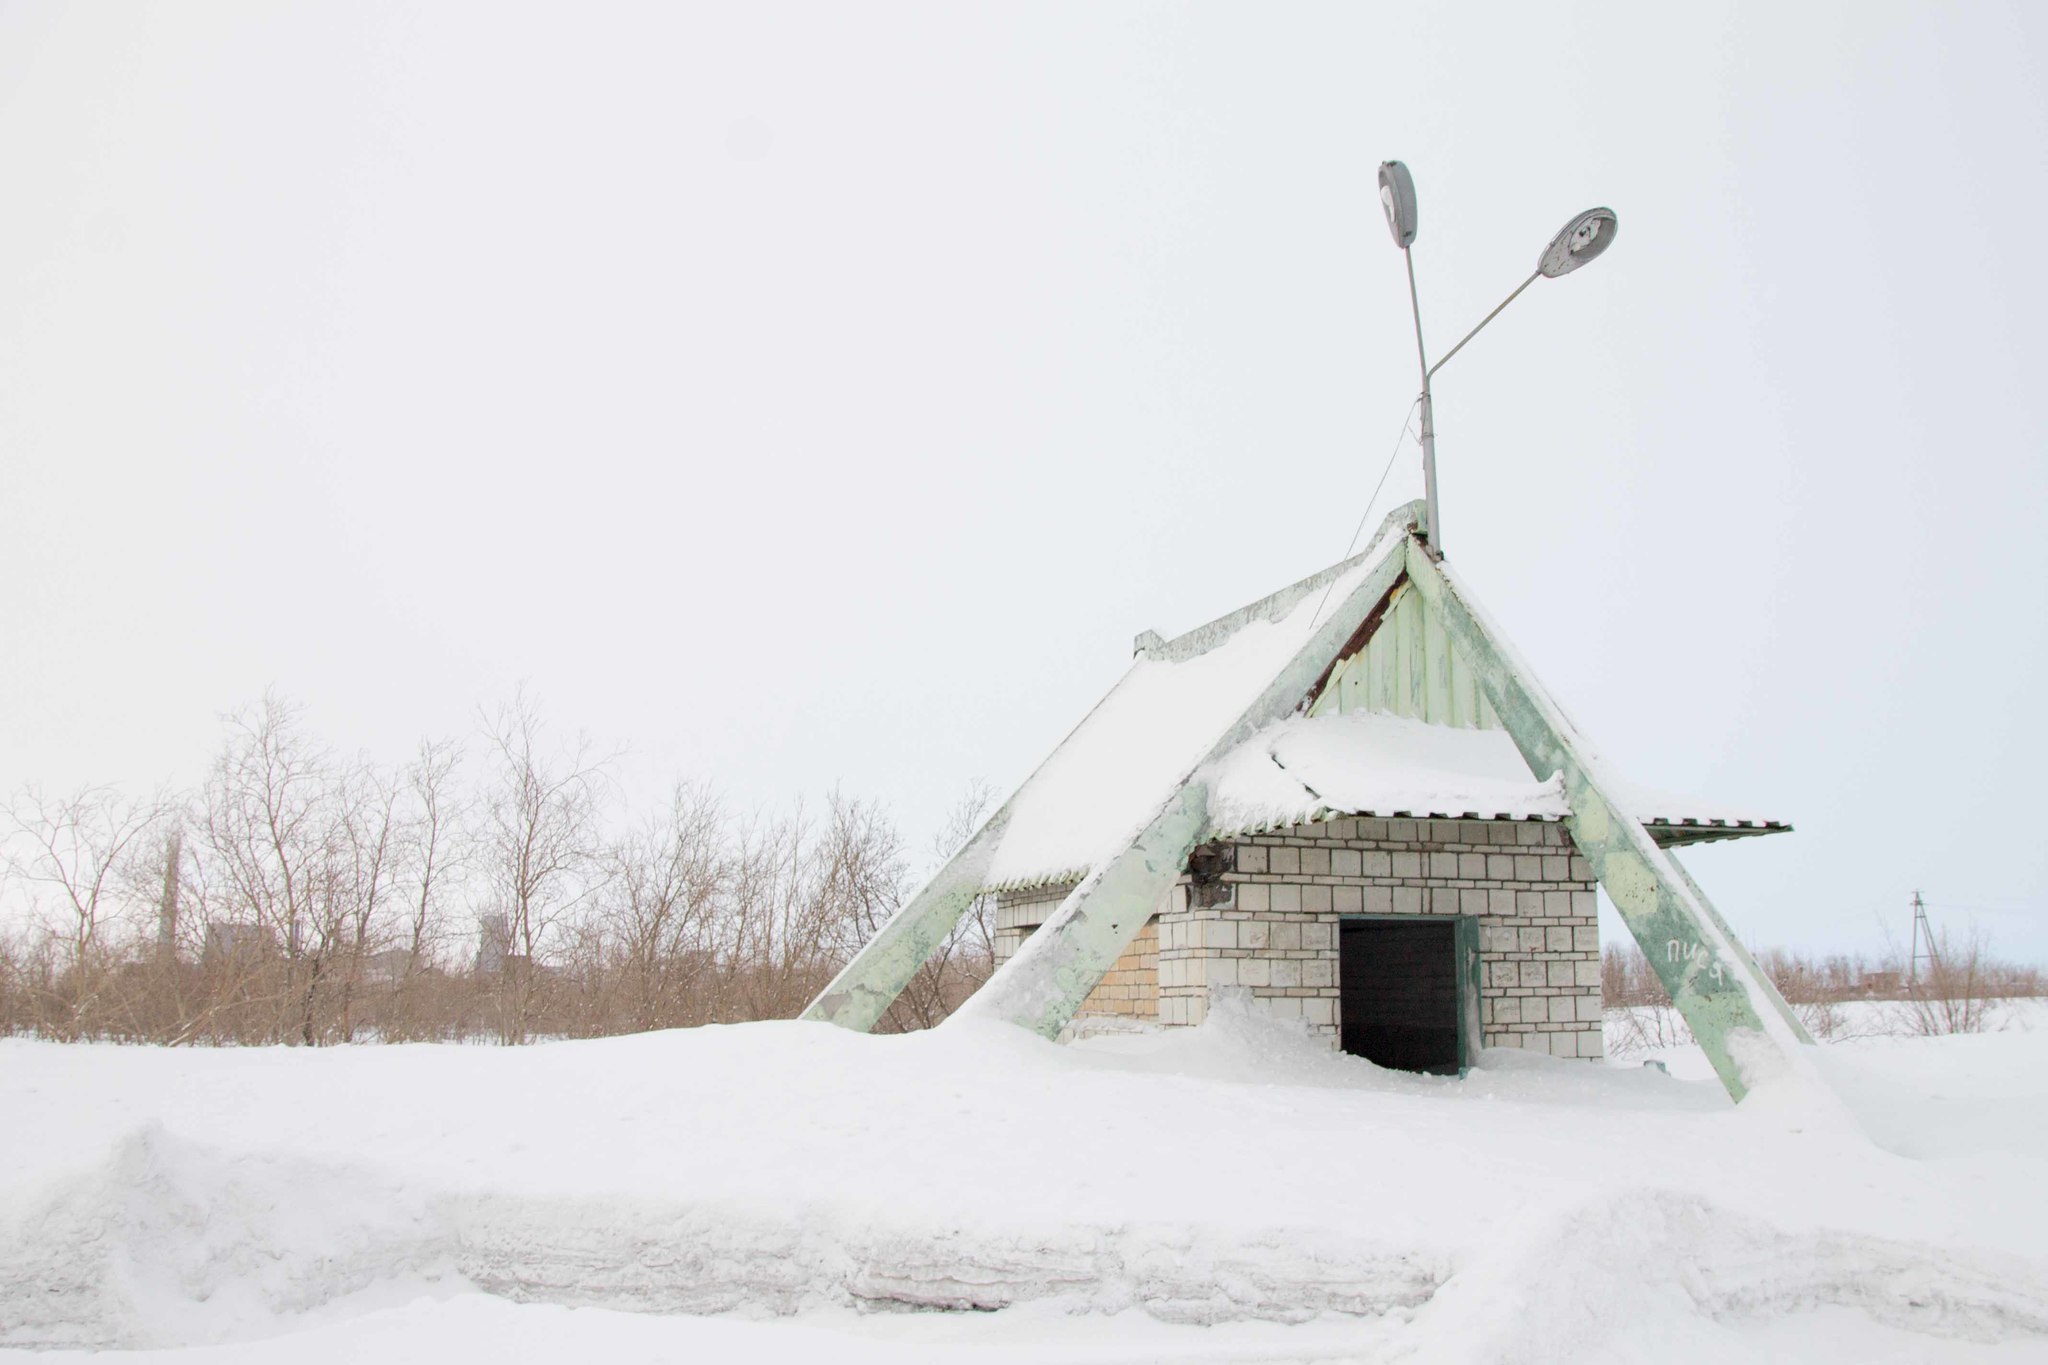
[
  {"x": 1737, "y": 1016},
  {"x": 1741, "y": 952},
  {"x": 861, "y": 994},
  {"x": 1042, "y": 986}
]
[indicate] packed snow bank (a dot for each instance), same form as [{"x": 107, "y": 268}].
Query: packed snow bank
[{"x": 1234, "y": 1174}]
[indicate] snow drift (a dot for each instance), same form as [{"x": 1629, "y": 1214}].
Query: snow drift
[{"x": 1534, "y": 1210}]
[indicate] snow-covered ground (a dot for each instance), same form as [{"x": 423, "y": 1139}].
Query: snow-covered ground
[{"x": 772, "y": 1192}]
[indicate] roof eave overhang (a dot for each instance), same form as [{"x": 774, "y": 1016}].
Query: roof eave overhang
[
  {"x": 1666, "y": 833},
  {"x": 1679, "y": 833}
]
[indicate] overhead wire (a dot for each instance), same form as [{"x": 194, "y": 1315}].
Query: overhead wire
[{"x": 1399, "y": 440}]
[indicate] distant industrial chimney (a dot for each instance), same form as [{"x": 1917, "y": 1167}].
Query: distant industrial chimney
[{"x": 167, "y": 905}]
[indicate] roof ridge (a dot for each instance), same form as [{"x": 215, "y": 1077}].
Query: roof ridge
[{"x": 1275, "y": 605}]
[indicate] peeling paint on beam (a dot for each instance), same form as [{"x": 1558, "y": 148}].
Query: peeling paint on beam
[{"x": 1740, "y": 1022}]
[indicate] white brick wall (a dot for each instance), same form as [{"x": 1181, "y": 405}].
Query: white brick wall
[
  {"x": 1130, "y": 989},
  {"x": 1270, "y": 927},
  {"x": 1274, "y": 931}
]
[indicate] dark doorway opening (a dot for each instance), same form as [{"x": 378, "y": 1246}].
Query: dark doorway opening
[{"x": 1399, "y": 982}]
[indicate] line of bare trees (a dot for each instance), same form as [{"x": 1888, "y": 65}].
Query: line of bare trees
[
  {"x": 495, "y": 890},
  {"x": 1956, "y": 989}
]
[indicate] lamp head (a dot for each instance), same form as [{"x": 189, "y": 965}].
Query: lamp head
[
  {"x": 1397, "y": 197},
  {"x": 1578, "y": 242}
]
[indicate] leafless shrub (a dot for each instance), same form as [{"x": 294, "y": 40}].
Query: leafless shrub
[
  {"x": 1958, "y": 991},
  {"x": 432, "y": 851},
  {"x": 1954, "y": 992},
  {"x": 303, "y": 897},
  {"x": 71, "y": 854},
  {"x": 1840, "y": 1021},
  {"x": 802, "y": 899},
  {"x": 298, "y": 843},
  {"x": 1627, "y": 979},
  {"x": 653, "y": 937},
  {"x": 18, "y": 1012},
  {"x": 1643, "y": 1028}
]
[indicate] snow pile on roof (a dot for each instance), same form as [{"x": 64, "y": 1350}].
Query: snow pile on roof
[
  {"x": 1236, "y": 1174},
  {"x": 1124, "y": 760},
  {"x": 1363, "y": 763}
]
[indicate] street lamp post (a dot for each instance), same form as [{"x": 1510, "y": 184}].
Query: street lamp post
[{"x": 1578, "y": 242}]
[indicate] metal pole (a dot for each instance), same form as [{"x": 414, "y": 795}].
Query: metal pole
[
  {"x": 1482, "y": 322},
  {"x": 1434, "y": 534}
]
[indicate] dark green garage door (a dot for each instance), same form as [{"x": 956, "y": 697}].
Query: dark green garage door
[{"x": 1400, "y": 993}]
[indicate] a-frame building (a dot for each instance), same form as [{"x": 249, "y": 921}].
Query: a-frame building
[{"x": 1353, "y": 801}]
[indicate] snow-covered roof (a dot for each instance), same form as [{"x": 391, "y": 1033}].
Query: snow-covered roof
[
  {"x": 1158, "y": 723},
  {"x": 1161, "y": 721},
  {"x": 1309, "y": 768},
  {"x": 1305, "y": 769}
]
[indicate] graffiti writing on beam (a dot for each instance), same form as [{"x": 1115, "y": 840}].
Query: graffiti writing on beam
[{"x": 1678, "y": 951}]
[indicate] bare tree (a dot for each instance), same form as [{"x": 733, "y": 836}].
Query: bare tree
[
  {"x": 16, "y": 1014},
  {"x": 663, "y": 889},
  {"x": 274, "y": 828},
  {"x": 433, "y": 844},
  {"x": 538, "y": 846},
  {"x": 71, "y": 851},
  {"x": 966, "y": 957},
  {"x": 861, "y": 874},
  {"x": 371, "y": 832},
  {"x": 773, "y": 940}
]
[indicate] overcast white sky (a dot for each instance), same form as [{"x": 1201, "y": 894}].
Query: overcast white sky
[{"x": 827, "y": 394}]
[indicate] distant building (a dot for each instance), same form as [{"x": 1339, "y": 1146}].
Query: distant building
[
  {"x": 239, "y": 941},
  {"x": 493, "y": 944},
  {"x": 386, "y": 968}
]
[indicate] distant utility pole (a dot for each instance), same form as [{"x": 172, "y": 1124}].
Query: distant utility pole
[{"x": 1922, "y": 933}]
